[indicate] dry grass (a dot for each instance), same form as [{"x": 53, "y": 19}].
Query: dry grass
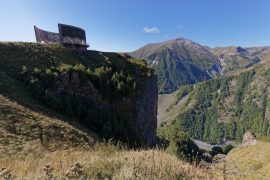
[
  {"x": 251, "y": 162},
  {"x": 103, "y": 162}
]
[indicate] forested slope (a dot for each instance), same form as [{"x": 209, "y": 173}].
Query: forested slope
[{"x": 226, "y": 107}]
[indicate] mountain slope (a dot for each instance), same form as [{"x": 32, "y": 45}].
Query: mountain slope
[
  {"x": 22, "y": 128},
  {"x": 225, "y": 108},
  {"x": 262, "y": 52},
  {"x": 179, "y": 62},
  {"x": 235, "y": 58}
]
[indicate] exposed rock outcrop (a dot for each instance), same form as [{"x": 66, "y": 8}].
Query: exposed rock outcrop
[
  {"x": 248, "y": 139},
  {"x": 146, "y": 107}
]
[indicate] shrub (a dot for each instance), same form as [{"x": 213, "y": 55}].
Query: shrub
[
  {"x": 79, "y": 68},
  {"x": 216, "y": 150},
  {"x": 140, "y": 62},
  {"x": 24, "y": 69},
  {"x": 228, "y": 148},
  {"x": 36, "y": 71},
  {"x": 180, "y": 144}
]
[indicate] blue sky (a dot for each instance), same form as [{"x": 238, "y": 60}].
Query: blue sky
[{"x": 125, "y": 25}]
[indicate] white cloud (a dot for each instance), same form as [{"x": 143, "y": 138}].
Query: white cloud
[{"x": 153, "y": 30}]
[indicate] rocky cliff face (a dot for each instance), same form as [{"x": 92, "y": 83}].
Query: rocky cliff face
[
  {"x": 138, "y": 113},
  {"x": 215, "y": 70},
  {"x": 146, "y": 107},
  {"x": 140, "y": 110}
]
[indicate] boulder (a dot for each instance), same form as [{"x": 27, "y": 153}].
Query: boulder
[{"x": 248, "y": 139}]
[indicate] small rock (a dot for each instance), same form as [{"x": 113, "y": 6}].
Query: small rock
[{"x": 219, "y": 158}]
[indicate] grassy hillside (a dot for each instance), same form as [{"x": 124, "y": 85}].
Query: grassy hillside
[
  {"x": 83, "y": 88},
  {"x": 24, "y": 129},
  {"x": 32, "y": 139},
  {"x": 56, "y": 106},
  {"x": 250, "y": 162},
  {"x": 253, "y": 161},
  {"x": 261, "y": 52},
  {"x": 226, "y": 107}
]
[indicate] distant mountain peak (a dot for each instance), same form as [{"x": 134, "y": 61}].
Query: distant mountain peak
[{"x": 179, "y": 61}]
